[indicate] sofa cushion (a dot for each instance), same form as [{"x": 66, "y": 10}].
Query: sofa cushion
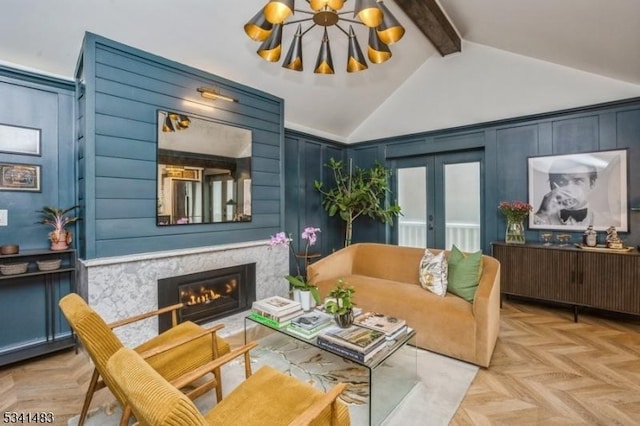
[
  {"x": 464, "y": 273},
  {"x": 433, "y": 272}
]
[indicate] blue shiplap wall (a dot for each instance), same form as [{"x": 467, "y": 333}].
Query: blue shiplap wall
[
  {"x": 119, "y": 92},
  {"x": 507, "y": 144}
]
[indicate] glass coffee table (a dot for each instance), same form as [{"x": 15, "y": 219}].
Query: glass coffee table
[{"x": 391, "y": 373}]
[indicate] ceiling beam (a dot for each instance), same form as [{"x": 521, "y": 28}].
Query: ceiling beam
[{"x": 431, "y": 20}]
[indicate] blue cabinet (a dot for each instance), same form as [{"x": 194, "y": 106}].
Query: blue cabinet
[{"x": 31, "y": 322}]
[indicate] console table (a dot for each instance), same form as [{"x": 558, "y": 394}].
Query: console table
[
  {"x": 32, "y": 323},
  {"x": 607, "y": 280}
]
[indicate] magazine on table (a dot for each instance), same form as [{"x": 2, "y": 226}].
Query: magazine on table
[
  {"x": 268, "y": 321},
  {"x": 307, "y": 334},
  {"x": 356, "y": 338},
  {"x": 387, "y": 324}
]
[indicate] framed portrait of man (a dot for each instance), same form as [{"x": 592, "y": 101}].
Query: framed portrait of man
[{"x": 570, "y": 192}]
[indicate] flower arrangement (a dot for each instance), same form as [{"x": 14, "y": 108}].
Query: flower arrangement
[
  {"x": 515, "y": 211},
  {"x": 300, "y": 280}
]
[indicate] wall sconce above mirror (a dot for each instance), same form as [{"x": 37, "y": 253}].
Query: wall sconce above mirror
[{"x": 204, "y": 171}]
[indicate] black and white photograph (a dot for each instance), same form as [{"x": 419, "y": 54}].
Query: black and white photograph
[{"x": 571, "y": 192}]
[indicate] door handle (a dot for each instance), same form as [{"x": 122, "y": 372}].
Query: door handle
[{"x": 430, "y": 224}]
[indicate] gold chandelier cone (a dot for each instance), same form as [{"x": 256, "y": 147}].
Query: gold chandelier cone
[
  {"x": 258, "y": 28},
  {"x": 293, "y": 60},
  {"x": 390, "y": 30},
  {"x": 378, "y": 52},
  {"x": 271, "y": 48},
  {"x": 324, "y": 64},
  {"x": 333, "y": 4},
  {"x": 355, "y": 61},
  {"x": 168, "y": 125},
  {"x": 276, "y": 11},
  {"x": 368, "y": 12},
  {"x": 183, "y": 121}
]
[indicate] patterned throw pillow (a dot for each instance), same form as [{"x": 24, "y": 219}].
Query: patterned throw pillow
[{"x": 433, "y": 272}]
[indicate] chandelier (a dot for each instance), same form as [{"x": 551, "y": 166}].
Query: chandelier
[{"x": 267, "y": 27}]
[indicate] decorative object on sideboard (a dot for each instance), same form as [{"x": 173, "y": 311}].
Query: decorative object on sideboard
[
  {"x": 14, "y": 268},
  {"x": 590, "y": 237},
  {"x": 563, "y": 239},
  {"x": 267, "y": 27},
  {"x": 340, "y": 304},
  {"x": 613, "y": 240},
  {"x": 58, "y": 219},
  {"x": 9, "y": 249},
  {"x": 515, "y": 212},
  {"x": 546, "y": 238}
]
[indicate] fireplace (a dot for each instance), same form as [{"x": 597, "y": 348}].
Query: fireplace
[{"x": 208, "y": 295}]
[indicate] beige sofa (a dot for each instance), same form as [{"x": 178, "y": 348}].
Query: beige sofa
[{"x": 386, "y": 280}]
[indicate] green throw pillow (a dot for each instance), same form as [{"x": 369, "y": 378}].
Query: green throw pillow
[{"x": 464, "y": 273}]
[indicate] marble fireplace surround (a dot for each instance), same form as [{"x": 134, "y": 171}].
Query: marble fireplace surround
[{"x": 122, "y": 286}]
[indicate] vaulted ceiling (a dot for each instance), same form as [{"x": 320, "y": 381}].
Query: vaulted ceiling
[{"x": 601, "y": 38}]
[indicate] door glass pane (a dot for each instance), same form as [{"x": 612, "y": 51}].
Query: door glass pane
[
  {"x": 412, "y": 198},
  {"x": 462, "y": 206}
]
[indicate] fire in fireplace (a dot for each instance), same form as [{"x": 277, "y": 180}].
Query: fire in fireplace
[{"x": 208, "y": 295}]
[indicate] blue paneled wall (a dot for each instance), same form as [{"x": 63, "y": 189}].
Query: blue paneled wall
[{"x": 120, "y": 91}]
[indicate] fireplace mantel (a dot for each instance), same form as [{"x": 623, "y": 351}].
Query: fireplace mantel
[{"x": 122, "y": 286}]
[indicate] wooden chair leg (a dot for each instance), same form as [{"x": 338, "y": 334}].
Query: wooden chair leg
[
  {"x": 218, "y": 375},
  {"x": 93, "y": 384},
  {"x": 126, "y": 414}
]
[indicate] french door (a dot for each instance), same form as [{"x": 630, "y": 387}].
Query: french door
[{"x": 441, "y": 200}]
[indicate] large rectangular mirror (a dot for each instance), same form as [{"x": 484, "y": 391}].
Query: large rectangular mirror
[{"x": 204, "y": 171}]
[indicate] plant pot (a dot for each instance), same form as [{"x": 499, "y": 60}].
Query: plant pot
[
  {"x": 60, "y": 245},
  {"x": 305, "y": 300},
  {"x": 296, "y": 295},
  {"x": 344, "y": 320}
]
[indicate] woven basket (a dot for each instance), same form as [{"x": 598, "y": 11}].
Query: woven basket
[
  {"x": 14, "y": 268},
  {"x": 49, "y": 265}
]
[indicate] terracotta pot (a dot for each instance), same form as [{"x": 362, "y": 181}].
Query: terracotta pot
[{"x": 60, "y": 245}]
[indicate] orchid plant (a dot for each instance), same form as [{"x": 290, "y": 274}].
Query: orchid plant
[{"x": 299, "y": 281}]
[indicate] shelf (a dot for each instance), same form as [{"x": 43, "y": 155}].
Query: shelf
[{"x": 36, "y": 273}]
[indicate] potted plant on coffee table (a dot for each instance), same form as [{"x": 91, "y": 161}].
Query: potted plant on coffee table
[
  {"x": 58, "y": 219},
  {"x": 340, "y": 304}
]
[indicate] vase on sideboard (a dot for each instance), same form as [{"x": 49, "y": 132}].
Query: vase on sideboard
[{"x": 514, "y": 233}]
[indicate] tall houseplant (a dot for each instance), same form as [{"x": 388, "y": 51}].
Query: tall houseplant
[{"x": 359, "y": 192}]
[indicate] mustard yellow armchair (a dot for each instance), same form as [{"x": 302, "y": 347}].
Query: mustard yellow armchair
[
  {"x": 267, "y": 397},
  {"x": 179, "y": 350}
]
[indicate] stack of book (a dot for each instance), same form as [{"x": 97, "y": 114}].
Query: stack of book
[
  {"x": 311, "y": 324},
  {"x": 275, "y": 311},
  {"x": 355, "y": 342},
  {"x": 392, "y": 327}
]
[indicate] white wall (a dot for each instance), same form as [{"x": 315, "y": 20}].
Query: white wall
[{"x": 482, "y": 84}]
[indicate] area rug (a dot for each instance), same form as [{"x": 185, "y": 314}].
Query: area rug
[{"x": 433, "y": 400}]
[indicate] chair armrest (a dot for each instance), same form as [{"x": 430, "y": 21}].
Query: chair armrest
[
  {"x": 146, "y": 315},
  {"x": 180, "y": 341},
  {"x": 317, "y": 407},
  {"x": 209, "y": 367}
]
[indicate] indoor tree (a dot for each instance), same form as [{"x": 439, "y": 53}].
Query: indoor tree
[{"x": 358, "y": 192}]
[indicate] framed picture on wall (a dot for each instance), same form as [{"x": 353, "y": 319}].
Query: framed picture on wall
[
  {"x": 570, "y": 192},
  {"x": 19, "y": 177},
  {"x": 19, "y": 140}
]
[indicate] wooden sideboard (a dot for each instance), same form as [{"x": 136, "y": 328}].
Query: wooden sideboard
[{"x": 607, "y": 280}]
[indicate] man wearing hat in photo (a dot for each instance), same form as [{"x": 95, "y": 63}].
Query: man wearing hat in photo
[{"x": 571, "y": 183}]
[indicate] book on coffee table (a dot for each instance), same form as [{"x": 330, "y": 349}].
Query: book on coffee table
[
  {"x": 276, "y": 305},
  {"x": 389, "y": 325},
  {"x": 355, "y": 338},
  {"x": 349, "y": 353},
  {"x": 312, "y": 320}
]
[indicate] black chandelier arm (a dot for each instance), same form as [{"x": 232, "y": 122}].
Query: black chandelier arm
[
  {"x": 298, "y": 21},
  {"x": 352, "y": 21},
  {"x": 342, "y": 29},
  {"x": 308, "y": 29},
  {"x": 304, "y": 11}
]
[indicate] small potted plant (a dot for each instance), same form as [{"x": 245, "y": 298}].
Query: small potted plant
[
  {"x": 340, "y": 304},
  {"x": 57, "y": 218}
]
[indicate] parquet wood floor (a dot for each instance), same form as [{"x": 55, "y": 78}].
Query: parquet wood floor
[{"x": 546, "y": 370}]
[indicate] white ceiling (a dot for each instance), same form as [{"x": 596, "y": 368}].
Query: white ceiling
[{"x": 595, "y": 36}]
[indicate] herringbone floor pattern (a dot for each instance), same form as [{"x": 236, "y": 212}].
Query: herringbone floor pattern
[{"x": 546, "y": 370}]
